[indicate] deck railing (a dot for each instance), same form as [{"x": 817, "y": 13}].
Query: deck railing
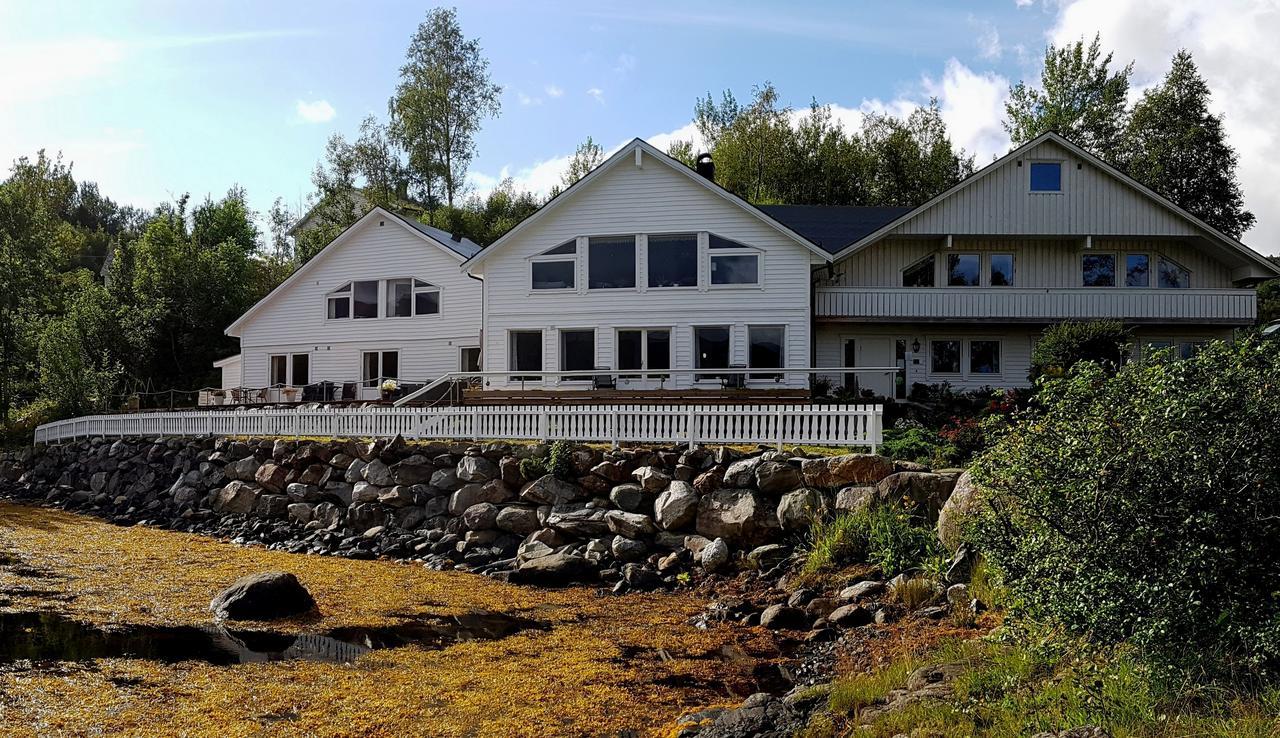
[{"x": 814, "y": 425}]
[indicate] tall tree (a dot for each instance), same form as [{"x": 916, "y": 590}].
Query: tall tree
[
  {"x": 748, "y": 145},
  {"x": 682, "y": 151},
  {"x": 1176, "y": 146},
  {"x": 443, "y": 96},
  {"x": 1080, "y": 96},
  {"x": 711, "y": 118},
  {"x": 586, "y": 157},
  {"x": 911, "y": 161}
]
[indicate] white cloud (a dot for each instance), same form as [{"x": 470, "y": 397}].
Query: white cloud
[
  {"x": 1233, "y": 42},
  {"x": 554, "y": 91},
  {"x": 317, "y": 111},
  {"x": 50, "y": 69},
  {"x": 527, "y": 100},
  {"x": 1024, "y": 3},
  {"x": 596, "y": 94},
  {"x": 972, "y": 106},
  {"x": 987, "y": 38}
]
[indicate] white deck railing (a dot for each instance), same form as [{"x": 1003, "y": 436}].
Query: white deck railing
[{"x": 815, "y": 425}]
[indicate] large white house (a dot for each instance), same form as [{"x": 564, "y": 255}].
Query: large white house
[{"x": 647, "y": 276}]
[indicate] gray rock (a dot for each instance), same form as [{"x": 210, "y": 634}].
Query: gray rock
[
  {"x": 300, "y": 512},
  {"x": 783, "y": 617},
  {"x": 481, "y": 516},
  {"x": 830, "y": 472},
  {"x": 850, "y": 616},
  {"x": 413, "y": 470},
  {"x": 714, "y": 556},
  {"x": 627, "y": 549},
  {"x": 742, "y": 473},
  {"x": 445, "y": 479},
  {"x": 923, "y": 491},
  {"x": 548, "y": 490},
  {"x": 775, "y": 477},
  {"x": 958, "y": 595},
  {"x": 518, "y": 520},
  {"x": 651, "y": 479},
  {"x": 362, "y": 517},
  {"x": 629, "y": 497},
  {"x": 677, "y": 507},
  {"x": 271, "y": 506},
  {"x": 553, "y": 569},
  {"x": 237, "y": 498},
  {"x": 378, "y": 473},
  {"x": 398, "y": 496},
  {"x": 768, "y": 556},
  {"x": 960, "y": 504},
  {"x": 740, "y": 516},
  {"x": 584, "y": 523},
  {"x": 243, "y": 470},
  {"x": 800, "y": 509},
  {"x": 365, "y": 492},
  {"x": 492, "y": 491},
  {"x": 265, "y": 596},
  {"x": 354, "y": 472},
  {"x": 862, "y": 590},
  {"x": 630, "y": 525},
  {"x": 856, "y": 499},
  {"x": 272, "y": 477},
  {"x": 477, "y": 469}
]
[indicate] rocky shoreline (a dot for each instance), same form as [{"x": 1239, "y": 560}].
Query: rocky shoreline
[{"x": 623, "y": 519}]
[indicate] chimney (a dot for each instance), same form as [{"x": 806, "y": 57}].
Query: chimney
[
  {"x": 457, "y": 237},
  {"x": 705, "y": 166}
]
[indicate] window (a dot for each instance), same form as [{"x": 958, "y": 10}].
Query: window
[
  {"x": 380, "y": 365},
  {"x": 1137, "y": 270},
  {"x": 577, "y": 353},
  {"x": 553, "y": 275},
  {"x": 469, "y": 359},
  {"x": 339, "y": 302},
  {"x": 766, "y": 349},
  {"x": 1173, "y": 275},
  {"x": 526, "y": 353},
  {"x": 945, "y": 357},
  {"x": 279, "y": 370},
  {"x": 984, "y": 357},
  {"x": 611, "y": 263},
  {"x": 556, "y": 274},
  {"x": 711, "y": 346},
  {"x": 399, "y": 298},
  {"x": 644, "y": 349},
  {"x": 366, "y": 299},
  {"x": 1188, "y": 349},
  {"x": 963, "y": 270},
  {"x": 720, "y": 242},
  {"x": 300, "y": 373},
  {"x": 1046, "y": 176},
  {"x": 1002, "y": 270},
  {"x": 1098, "y": 270},
  {"x": 426, "y": 298},
  {"x": 673, "y": 260},
  {"x": 735, "y": 269},
  {"x": 919, "y": 274}
]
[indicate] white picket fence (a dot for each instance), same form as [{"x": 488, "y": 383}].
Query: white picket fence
[{"x": 813, "y": 425}]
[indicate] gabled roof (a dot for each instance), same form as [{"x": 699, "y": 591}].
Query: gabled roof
[
  {"x": 1213, "y": 233},
  {"x": 834, "y": 226},
  {"x": 455, "y": 249},
  {"x": 629, "y": 151},
  {"x": 464, "y": 247}
]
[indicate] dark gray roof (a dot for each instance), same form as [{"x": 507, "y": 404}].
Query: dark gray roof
[
  {"x": 464, "y": 247},
  {"x": 832, "y": 227}
]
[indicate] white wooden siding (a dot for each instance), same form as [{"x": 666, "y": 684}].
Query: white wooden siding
[
  {"x": 294, "y": 320},
  {"x": 643, "y": 200}
]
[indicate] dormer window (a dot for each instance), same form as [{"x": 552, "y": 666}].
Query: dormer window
[
  {"x": 1046, "y": 176},
  {"x": 557, "y": 268}
]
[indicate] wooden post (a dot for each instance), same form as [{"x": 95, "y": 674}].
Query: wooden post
[{"x": 692, "y": 417}]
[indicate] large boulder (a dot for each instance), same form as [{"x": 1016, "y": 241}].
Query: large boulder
[
  {"x": 584, "y": 523},
  {"x": 553, "y": 569},
  {"x": 677, "y": 507},
  {"x": 271, "y": 506},
  {"x": 741, "y": 473},
  {"x": 830, "y": 472},
  {"x": 800, "y": 509},
  {"x": 925, "y": 492},
  {"x": 480, "y": 516},
  {"x": 856, "y": 499},
  {"x": 471, "y": 494},
  {"x": 959, "y": 506},
  {"x": 714, "y": 555},
  {"x": 365, "y": 492},
  {"x": 776, "y": 477},
  {"x": 413, "y": 470},
  {"x": 651, "y": 479},
  {"x": 630, "y": 525},
  {"x": 518, "y": 520},
  {"x": 379, "y": 474},
  {"x": 237, "y": 498},
  {"x": 272, "y": 477},
  {"x": 243, "y": 470},
  {"x": 361, "y": 518},
  {"x": 477, "y": 469},
  {"x": 741, "y": 516},
  {"x": 266, "y": 596},
  {"x": 549, "y": 490},
  {"x": 627, "y": 497}
]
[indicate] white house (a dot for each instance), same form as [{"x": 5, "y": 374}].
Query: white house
[
  {"x": 385, "y": 299},
  {"x": 645, "y": 265},
  {"x": 647, "y": 276}
]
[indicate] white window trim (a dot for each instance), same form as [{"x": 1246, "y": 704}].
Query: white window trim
[
  {"x": 514, "y": 372},
  {"x": 384, "y": 290},
  {"x": 966, "y": 357},
  {"x": 1062, "y": 176},
  {"x": 360, "y": 384},
  {"x": 560, "y": 356},
  {"x": 929, "y": 341},
  {"x": 586, "y": 264},
  {"x": 693, "y": 359},
  {"x": 745, "y": 250},
  {"x": 542, "y": 257},
  {"x": 462, "y": 351},
  {"x": 697, "y": 271}
]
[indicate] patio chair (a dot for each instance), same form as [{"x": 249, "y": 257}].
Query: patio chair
[
  {"x": 603, "y": 381},
  {"x": 350, "y": 392}
]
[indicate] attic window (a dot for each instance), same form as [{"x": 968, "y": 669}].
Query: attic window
[
  {"x": 1046, "y": 176},
  {"x": 549, "y": 273},
  {"x": 919, "y": 274},
  {"x": 339, "y": 302}
]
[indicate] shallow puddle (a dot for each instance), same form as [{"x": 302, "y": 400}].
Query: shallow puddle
[{"x": 48, "y": 637}]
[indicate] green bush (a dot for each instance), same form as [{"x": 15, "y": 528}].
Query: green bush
[
  {"x": 910, "y": 443},
  {"x": 532, "y": 469},
  {"x": 1063, "y": 345},
  {"x": 1145, "y": 507},
  {"x": 560, "y": 460},
  {"x": 886, "y": 536}
]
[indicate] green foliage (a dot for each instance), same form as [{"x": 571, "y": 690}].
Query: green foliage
[
  {"x": 1176, "y": 146},
  {"x": 1144, "y": 507},
  {"x": 586, "y": 157},
  {"x": 1079, "y": 96},
  {"x": 532, "y": 469},
  {"x": 885, "y": 536},
  {"x": 1063, "y": 345},
  {"x": 560, "y": 460},
  {"x": 911, "y": 443},
  {"x": 1269, "y": 300}
]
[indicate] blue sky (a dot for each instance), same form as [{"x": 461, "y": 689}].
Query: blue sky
[{"x": 156, "y": 99}]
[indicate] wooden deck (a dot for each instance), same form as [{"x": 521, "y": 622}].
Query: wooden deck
[{"x": 624, "y": 397}]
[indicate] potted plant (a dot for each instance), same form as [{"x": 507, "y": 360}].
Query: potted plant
[
  {"x": 389, "y": 388},
  {"x": 218, "y": 396}
]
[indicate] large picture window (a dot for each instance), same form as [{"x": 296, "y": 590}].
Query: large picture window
[
  {"x": 1098, "y": 270},
  {"x": 919, "y": 274},
  {"x": 648, "y": 348},
  {"x": 963, "y": 270},
  {"x": 556, "y": 273},
  {"x": 711, "y": 349},
  {"x": 984, "y": 357},
  {"x": 611, "y": 263},
  {"x": 526, "y": 353},
  {"x": 766, "y": 349},
  {"x": 399, "y": 298},
  {"x": 378, "y": 366},
  {"x": 577, "y": 353},
  {"x": 365, "y": 303},
  {"x": 673, "y": 260},
  {"x": 944, "y": 357}
]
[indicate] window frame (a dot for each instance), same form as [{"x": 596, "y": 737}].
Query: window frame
[
  {"x": 978, "y": 272},
  {"x": 547, "y": 256},
  {"x": 1115, "y": 262},
  {"x": 344, "y": 292},
  {"x": 377, "y": 301},
  {"x": 635, "y": 262},
  {"x": 563, "y": 354},
  {"x": 782, "y": 351},
  {"x": 732, "y": 247},
  {"x": 376, "y": 383},
  {"x": 644, "y": 368},
  {"x": 1160, "y": 260},
  {"x": 968, "y": 356},
  {"x": 512, "y": 354},
  {"x": 1150, "y": 273},
  {"x": 1013, "y": 269},
  {"x": 1062, "y": 168},
  {"x": 959, "y": 372},
  {"x": 933, "y": 273},
  {"x": 697, "y": 271},
  {"x": 271, "y": 370},
  {"x": 697, "y": 356},
  {"x": 293, "y": 369}
]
